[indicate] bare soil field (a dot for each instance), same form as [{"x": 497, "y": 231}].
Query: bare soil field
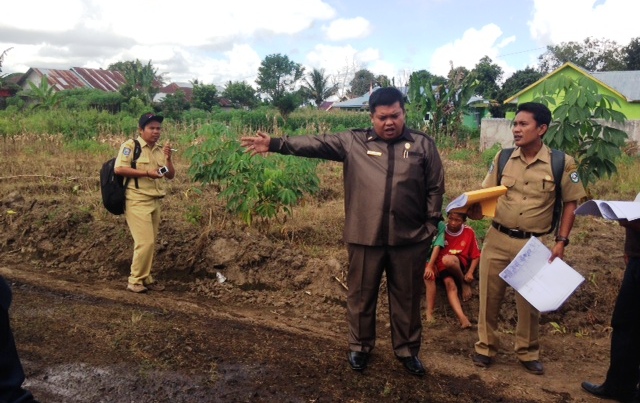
[{"x": 274, "y": 330}]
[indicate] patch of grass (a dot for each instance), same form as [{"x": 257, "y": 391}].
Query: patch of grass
[{"x": 88, "y": 146}]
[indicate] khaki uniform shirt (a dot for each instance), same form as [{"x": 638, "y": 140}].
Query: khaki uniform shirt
[
  {"x": 528, "y": 203},
  {"x": 150, "y": 159},
  {"x": 393, "y": 190}
]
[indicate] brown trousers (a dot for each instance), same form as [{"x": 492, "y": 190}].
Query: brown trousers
[
  {"x": 497, "y": 252},
  {"x": 404, "y": 268}
]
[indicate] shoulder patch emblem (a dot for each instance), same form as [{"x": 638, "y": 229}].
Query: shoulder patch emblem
[
  {"x": 575, "y": 178},
  {"x": 126, "y": 151}
]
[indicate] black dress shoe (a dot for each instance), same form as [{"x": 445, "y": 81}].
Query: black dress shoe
[
  {"x": 480, "y": 360},
  {"x": 413, "y": 365},
  {"x": 535, "y": 367},
  {"x": 358, "y": 360},
  {"x": 602, "y": 392}
]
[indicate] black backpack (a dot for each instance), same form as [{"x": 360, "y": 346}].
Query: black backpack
[
  {"x": 114, "y": 186},
  {"x": 557, "y": 167}
]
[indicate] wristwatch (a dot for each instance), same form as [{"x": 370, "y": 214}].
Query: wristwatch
[{"x": 562, "y": 239}]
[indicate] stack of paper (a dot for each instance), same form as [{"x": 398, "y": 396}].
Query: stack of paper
[
  {"x": 611, "y": 210},
  {"x": 488, "y": 199},
  {"x": 545, "y": 285}
]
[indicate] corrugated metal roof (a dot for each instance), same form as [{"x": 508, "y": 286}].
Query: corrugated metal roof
[
  {"x": 105, "y": 80},
  {"x": 59, "y": 79},
  {"x": 625, "y": 82},
  {"x": 354, "y": 103}
]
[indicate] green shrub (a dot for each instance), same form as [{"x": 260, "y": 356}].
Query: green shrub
[{"x": 252, "y": 187}]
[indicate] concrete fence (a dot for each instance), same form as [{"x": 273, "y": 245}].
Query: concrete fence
[{"x": 494, "y": 131}]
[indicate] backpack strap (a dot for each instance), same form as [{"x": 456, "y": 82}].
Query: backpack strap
[
  {"x": 557, "y": 168},
  {"x": 503, "y": 158},
  {"x": 137, "y": 150}
]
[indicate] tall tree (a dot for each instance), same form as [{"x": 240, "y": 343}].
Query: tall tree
[
  {"x": 316, "y": 86},
  {"x": 488, "y": 75},
  {"x": 518, "y": 81},
  {"x": 361, "y": 83},
  {"x": 632, "y": 54},
  {"x": 277, "y": 76},
  {"x": 174, "y": 104},
  {"x": 240, "y": 93},
  {"x": 205, "y": 96},
  {"x": 141, "y": 81},
  {"x": 423, "y": 75},
  {"x": 593, "y": 55},
  {"x": 383, "y": 81},
  {"x": 441, "y": 106}
]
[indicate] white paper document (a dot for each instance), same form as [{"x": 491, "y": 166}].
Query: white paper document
[
  {"x": 611, "y": 210},
  {"x": 545, "y": 285}
]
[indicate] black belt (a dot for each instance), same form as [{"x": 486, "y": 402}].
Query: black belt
[{"x": 514, "y": 233}]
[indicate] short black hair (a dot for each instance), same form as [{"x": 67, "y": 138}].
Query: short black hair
[
  {"x": 541, "y": 114},
  {"x": 463, "y": 215},
  {"x": 385, "y": 96}
]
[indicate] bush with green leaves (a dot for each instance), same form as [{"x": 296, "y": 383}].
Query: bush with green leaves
[
  {"x": 578, "y": 110},
  {"x": 251, "y": 186}
]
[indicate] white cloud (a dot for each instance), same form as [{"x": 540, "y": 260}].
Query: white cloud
[
  {"x": 353, "y": 28},
  {"x": 200, "y": 38},
  {"x": 468, "y": 50},
  {"x": 557, "y": 21},
  {"x": 339, "y": 58}
]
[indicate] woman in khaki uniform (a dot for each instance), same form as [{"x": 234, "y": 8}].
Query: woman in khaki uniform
[
  {"x": 526, "y": 210},
  {"x": 144, "y": 194}
]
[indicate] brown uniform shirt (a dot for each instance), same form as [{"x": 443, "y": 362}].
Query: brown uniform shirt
[
  {"x": 528, "y": 203},
  {"x": 393, "y": 190},
  {"x": 150, "y": 159}
]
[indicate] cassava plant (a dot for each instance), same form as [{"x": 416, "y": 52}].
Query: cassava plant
[
  {"x": 581, "y": 125},
  {"x": 251, "y": 186}
]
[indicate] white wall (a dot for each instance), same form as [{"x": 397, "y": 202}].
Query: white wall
[{"x": 494, "y": 131}]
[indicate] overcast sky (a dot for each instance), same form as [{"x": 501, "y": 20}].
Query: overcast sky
[{"x": 215, "y": 42}]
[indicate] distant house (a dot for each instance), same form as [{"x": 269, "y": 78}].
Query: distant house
[
  {"x": 326, "y": 105},
  {"x": 59, "y": 80},
  {"x": 355, "y": 104},
  {"x": 622, "y": 85},
  {"x": 172, "y": 88},
  {"x": 99, "y": 79}
]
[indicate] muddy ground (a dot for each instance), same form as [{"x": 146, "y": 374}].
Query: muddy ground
[{"x": 274, "y": 330}]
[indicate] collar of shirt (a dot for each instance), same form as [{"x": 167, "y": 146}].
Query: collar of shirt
[
  {"x": 143, "y": 143},
  {"x": 406, "y": 136},
  {"x": 542, "y": 155}
]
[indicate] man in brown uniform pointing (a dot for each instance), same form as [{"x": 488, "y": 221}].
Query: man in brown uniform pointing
[{"x": 394, "y": 182}]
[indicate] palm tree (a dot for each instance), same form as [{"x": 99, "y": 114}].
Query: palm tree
[
  {"x": 316, "y": 86},
  {"x": 142, "y": 82}
]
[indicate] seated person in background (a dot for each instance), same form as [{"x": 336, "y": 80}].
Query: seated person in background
[{"x": 454, "y": 259}]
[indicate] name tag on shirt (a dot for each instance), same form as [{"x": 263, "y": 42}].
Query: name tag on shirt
[{"x": 374, "y": 153}]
